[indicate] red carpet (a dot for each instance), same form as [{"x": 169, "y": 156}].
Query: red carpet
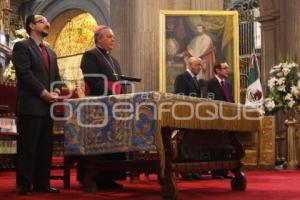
[{"x": 268, "y": 185}]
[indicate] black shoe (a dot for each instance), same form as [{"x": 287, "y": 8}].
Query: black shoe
[
  {"x": 23, "y": 191},
  {"x": 109, "y": 185},
  {"x": 219, "y": 173},
  {"x": 198, "y": 176},
  {"x": 187, "y": 176},
  {"x": 218, "y": 177},
  {"x": 228, "y": 177},
  {"x": 46, "y": 190}
]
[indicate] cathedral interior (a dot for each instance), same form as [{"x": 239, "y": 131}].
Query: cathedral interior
[{"x": 145, "y": 48}]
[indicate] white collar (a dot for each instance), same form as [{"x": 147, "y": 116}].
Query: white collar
[
  {"x": 191, "y": 73},
  {"x": 106, "y": 51},
  {"x": 219, "y": 79}
]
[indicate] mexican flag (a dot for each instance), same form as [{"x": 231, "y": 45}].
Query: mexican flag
[{"x": 254, "y": 94}]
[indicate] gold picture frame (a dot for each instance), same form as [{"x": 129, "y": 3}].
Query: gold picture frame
[{"x": 178, "y": 32}]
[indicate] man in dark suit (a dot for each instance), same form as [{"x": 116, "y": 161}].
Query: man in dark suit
[
  {"x": 36, "y": 69},
  {"x": 218, "y": 88},
  {"x": 98, "y": 61},
  {"x": 187, "y": 84}
]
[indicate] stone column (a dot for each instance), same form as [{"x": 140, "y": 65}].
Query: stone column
[
  {"x": 270, "y": 37},
  {"x": 198, "y": 5},
  {"x": 181, "y": 4},
  {"x": 280, "y": 21},
  {"x": 291, "y": 25},
  {"x": 136, "y": 26},
  {"x": 292, "y": 161},
  {"x": 270, "y": 27},
  {"x": 207, "y": 5},
  {"x": 118, "y": 24},
  {"x": 298, "y": 144}
]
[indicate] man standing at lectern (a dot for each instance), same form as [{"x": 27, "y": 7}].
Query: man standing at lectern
[
  {"x": 36, "y": 69},
  {"x": 95, "y": 62},
  {"x": 99, "y": 61}
]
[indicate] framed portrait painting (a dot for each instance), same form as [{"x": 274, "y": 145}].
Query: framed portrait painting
[{"x": 210, "y": 35}]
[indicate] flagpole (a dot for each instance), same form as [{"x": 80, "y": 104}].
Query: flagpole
[{"x": 254, "y": 94}]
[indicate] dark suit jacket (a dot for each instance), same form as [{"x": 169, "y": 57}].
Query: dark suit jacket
[
  {"x": 214, "y": 87},
  {"x": 33, "y": 77},
  {"x": 185, "y": 84},
  {"x": 94, "y": 62}
]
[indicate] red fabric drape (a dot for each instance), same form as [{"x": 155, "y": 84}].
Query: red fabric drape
[{"x": 8, "y": 96}]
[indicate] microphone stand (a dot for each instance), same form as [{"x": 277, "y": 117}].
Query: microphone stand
[{"x": 128, "y": 78}]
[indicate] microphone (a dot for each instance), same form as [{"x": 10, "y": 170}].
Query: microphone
[{"x": 128, "y": 78}]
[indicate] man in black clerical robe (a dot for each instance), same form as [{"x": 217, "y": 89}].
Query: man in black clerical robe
[{"x": 98, "y": 62}]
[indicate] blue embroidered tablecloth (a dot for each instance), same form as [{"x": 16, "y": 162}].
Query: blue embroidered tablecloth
[{"x": 117, "y": 123}]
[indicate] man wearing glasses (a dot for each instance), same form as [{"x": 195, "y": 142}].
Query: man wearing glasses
[
  {"x": 218, "y": 88},
  {"x": 36, "y": 68}
]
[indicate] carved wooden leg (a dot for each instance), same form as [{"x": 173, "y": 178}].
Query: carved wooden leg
[
  {"x": 239, "y": 182},
  {"x": 67, "y": 168},
  {"x": 239, "y": 150},
  {"x": 134, "y": 177},
  {"x": 292, "y": 161},
  {"x": 89, "y": 184},
  {"x": 168, "y": 184}
]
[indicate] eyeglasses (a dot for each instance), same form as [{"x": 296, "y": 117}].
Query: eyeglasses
[
  {"x": 43, "y": 21},
  {"x": 225, "y": 68}
]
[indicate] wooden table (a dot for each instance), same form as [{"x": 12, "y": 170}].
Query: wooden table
[{"x": 161, "y": 118}]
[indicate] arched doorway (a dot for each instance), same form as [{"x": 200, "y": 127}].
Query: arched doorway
[{"x": 71, "y": 36}]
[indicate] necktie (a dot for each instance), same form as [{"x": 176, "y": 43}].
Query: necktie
[
  {"x": 225, "y": 90},
  {"x": 196, "y": 81},
  {"x": 45, "y": 55}
]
